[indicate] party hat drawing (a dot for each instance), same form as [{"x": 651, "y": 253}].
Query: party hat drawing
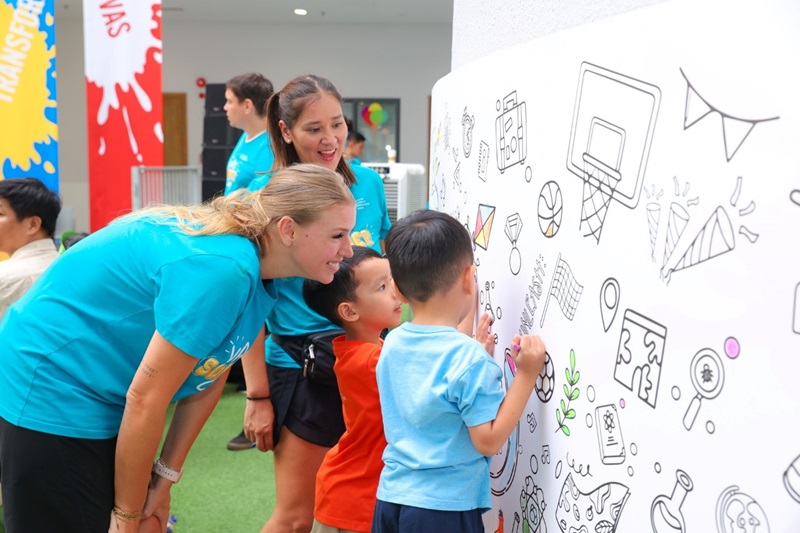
[{"x": 714, "y": 238}]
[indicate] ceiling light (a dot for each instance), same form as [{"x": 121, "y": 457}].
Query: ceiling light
[{"x": 300, "y": 12}]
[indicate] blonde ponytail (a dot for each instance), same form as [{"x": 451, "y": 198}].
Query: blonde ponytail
[{"x": 301, "y": 191}]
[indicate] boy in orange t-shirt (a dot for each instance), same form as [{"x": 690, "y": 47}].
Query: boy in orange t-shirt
[{"x": 362, "y": 300}]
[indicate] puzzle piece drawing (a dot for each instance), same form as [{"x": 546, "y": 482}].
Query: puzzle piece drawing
[{"x": 640, "y": 356}]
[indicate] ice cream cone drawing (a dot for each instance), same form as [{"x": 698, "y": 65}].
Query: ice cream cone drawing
[
  {"x": 653, "y": 218},
  {"x": 676, "y": 225}
]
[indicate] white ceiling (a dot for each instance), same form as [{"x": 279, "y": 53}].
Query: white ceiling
[{"x": 282, "y": 11}]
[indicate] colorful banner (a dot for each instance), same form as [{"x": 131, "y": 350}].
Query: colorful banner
[
  {"x": 124, "y": 99},
  {"x": 28, "y": 119}
]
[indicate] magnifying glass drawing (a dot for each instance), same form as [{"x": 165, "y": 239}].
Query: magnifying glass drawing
[{"x": 708, "y": 376}]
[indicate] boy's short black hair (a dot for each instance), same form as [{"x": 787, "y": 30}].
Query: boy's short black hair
[
  {"x": 324, "y": 299},
  {"x": 427, "y": 252},
  {"x": 355, "y": 137},
  {"x": 29, "y": 197}
]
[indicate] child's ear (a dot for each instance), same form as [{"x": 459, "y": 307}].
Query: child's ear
[
  {"x": 468, "y": 279},
  {"x": 347, "y": 312},
  {"x": 402, "y": 298}
]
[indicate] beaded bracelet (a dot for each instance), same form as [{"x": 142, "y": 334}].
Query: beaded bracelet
[
  {"x": 126, "y": 515},
  {"x": 257, "y": 398}
]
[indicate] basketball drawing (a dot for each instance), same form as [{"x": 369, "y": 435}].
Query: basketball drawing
[{"x": 550, "y": 205}]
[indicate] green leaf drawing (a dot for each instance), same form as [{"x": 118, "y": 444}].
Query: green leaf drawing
[{"x": 571, "y": 393}]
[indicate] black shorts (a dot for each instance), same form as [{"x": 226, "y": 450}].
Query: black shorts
[
  {"x": 311, "y": 411},
  {"x": 394, "y": 518},
  {"x": 54, "y": 483}
]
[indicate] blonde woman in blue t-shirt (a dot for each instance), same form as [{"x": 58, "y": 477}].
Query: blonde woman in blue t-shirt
[{"x": 151, "y": 309}]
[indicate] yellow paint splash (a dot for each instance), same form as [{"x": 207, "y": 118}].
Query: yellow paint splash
[{"x": 23, "y": 119}]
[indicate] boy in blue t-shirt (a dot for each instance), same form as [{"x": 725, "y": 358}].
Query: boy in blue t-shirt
[{"x": 445, "y": 410}]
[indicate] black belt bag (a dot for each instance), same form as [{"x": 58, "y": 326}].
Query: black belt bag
[{"x": 314, "y": 354}]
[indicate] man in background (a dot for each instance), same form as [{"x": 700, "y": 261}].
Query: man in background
[{"x": 28, "y": 214}]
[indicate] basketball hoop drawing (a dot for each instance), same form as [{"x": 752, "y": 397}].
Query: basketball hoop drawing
[
  {"x": 599, "y": 183},
  {"x": 612, "y": 130}
]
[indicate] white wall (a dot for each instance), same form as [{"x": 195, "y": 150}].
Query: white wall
[
  {"x": 481, "y": 27},
  {"x": 398, "y": 61}
]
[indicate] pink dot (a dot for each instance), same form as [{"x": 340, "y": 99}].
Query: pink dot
[
  {"x": 622, "y": 402},
  {"x": 732, "y": 347}
]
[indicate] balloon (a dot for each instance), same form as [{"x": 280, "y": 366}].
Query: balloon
[{"x": 374, "y": 115}]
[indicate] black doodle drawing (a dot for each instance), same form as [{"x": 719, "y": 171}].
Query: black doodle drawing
[
  {"x": 511, "y": 132},
  {"x": 486, "y": 301},
  {"x": 665, "y": 512},
  {"x": 794, "y": 196},
  {"x": 640, "y": 355},
  {"x": 566, "y": 290},
  {"x": 546, "y": 454},
  {"x": 595, "y": 511},
  {"x": 483, "y": 160},
  {"x": 550, "y": 209},
  {"x": 457, "y": 184},
  {"x": 677, "y": 220},
  {"x": 445, "y": 132},
  {"x": 715, "y": 238},
  {"x": 734, "y": 129},
  {"x": 796, "y": 310},
  {"x": 653, "y": 210},
  {"x": 609, "y": 146},
  {"x": 483, "y": 225},
  {"x": 708, "y": 378},
  {"x": 513, "y": 229},
  {"x": 546, "y": 380},
  {"x": 737, "y": 512},
  {"x": 609, "y": 302},
  {"x": 579, "y": 469},
  {"x": 791, "y": 479},
  {"x": 609, "y": 435},
  {"x": 528, "y": 174},
  {"x": 534, "y": 464},
  {"x": 531, "y": 418},
  {"x": 503, "y": 465},
  {"x": 467, "y": 123},
  {"x": 532, "y": 297},
  {"x": 533, "y": 506}
]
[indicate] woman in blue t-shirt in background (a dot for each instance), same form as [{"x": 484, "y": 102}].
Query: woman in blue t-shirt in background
[
  {"x": 307, "y": 125},
  {"x": 153, "y": 308}
]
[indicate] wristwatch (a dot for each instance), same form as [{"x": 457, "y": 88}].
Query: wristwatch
[{"x": 162, "y": 469}]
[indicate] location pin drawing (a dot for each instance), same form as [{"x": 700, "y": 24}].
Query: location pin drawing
[{"x": 609, "y": 302}]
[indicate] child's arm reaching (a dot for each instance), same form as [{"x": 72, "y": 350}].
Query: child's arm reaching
[{"x": 528, "y": 354}]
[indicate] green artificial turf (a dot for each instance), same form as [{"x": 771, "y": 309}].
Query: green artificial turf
[{"x": 221, "y": 490}]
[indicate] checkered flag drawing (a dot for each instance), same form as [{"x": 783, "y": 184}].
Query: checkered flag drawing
[{"x": 566, "y": 290}]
